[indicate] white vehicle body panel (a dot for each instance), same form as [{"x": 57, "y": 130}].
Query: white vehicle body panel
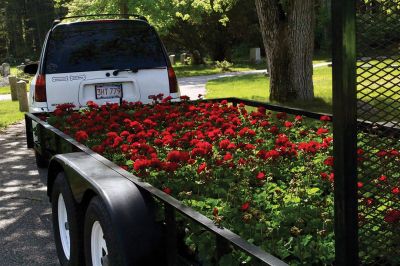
[{"x": 80, "y": 87}]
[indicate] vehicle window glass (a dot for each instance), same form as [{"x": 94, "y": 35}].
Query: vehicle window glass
[{"x": 96, "y": 46}]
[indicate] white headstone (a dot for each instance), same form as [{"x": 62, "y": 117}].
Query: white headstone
[
  {"x": 182, "y": 58},
  {"x": 172, "y": 59},
  {"x": 5, "y": 67},
  {"x": 255, "y": 55}
]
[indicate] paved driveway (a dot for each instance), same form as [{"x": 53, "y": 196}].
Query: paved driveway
[{"x": 26, "y": 236}]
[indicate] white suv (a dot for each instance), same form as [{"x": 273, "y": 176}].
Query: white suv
[{"x": 101, "y": 61}]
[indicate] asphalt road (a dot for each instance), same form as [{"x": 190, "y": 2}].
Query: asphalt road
[{"x": 26, "y": 236}]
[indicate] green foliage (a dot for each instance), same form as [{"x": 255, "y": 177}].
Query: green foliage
[{"x": 224, "y": 65}]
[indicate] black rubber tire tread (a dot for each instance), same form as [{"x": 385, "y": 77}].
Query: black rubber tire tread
[
  {"x": 97, "y": 211},
  {"x": 75, "y": 222},
  {"x": 41, "y": 162}
]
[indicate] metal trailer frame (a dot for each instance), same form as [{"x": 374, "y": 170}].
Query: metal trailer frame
[{"x": 70, "y": 153}]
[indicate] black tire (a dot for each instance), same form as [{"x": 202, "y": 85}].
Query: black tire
[
  {"x": 75, "y": 222},
  {"x": 97, "y": 211},
  {"x": 41, "y": 162}
]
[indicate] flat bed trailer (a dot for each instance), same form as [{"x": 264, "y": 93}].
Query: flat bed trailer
[{"x": 94, "y": 188}]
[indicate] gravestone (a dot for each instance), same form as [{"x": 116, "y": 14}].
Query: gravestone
[
  {"x": 182, "y": 58},
  {"x": 196, "y": 58},
  {"x": 22, "y": 97},
  {"x": 255, "y": 55},
  {"x": 5, "y": 67},
  {"x": 12, "y": 80},
  {"x": 172, "y": 59}
]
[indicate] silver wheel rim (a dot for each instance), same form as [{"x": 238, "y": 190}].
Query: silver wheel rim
[
  {"x": 63, "y": 226},
  {"x": 98, "y": 245}
]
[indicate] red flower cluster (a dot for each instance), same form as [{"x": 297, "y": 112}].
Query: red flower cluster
[{"x": 211, "y": 142}]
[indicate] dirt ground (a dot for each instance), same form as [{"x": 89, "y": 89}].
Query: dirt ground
[{"x": 26, "y": 236}]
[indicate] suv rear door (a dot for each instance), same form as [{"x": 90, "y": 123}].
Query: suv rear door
[{"x": 82, "y": 58}]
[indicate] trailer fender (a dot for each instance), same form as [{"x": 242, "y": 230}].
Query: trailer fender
[{"x": 131, "y": 210}]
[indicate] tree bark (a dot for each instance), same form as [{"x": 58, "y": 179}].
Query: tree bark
[
  {"x": 123, "y": 8},
  {"x": 301, "y": 47},
  {"x": 288, "y": 37}
]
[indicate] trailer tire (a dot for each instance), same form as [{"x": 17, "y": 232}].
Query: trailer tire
[
  {"x": 41, "y": 162},
  {"x": 99, "y": 237},
  {"x": 69, "y": 240}
]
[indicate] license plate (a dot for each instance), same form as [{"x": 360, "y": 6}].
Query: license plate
[{"x": 108, "y": 91}]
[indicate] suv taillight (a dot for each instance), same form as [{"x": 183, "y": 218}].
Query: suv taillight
[
  {"x": 40, "y": 89},
  {"x": 173, "y": 83}
]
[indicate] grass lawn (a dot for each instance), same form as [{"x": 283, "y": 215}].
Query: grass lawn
[
  {"x": 5, "y": 90},
  {"x": 210, "y": 69},
  {"x": 256, "y": 87},
  {"x": 378, "y": 90},
  {"x": 9, "y": 113}
]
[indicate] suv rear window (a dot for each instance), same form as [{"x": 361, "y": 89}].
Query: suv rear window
[{"x": 92, "y": 46}]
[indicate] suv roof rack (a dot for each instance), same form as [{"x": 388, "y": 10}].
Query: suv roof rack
[{"x": 58, "y": 20}]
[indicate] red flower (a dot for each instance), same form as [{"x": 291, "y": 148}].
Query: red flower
[
  {"x": 245, "y": 206},
  {"x": 392, "y": 216},
  {"x": 167, "y": 190},
  {"x": 177, "y": 156},
  {"x": 381, "y": 153},
  {"x": 331, "y": 177},
  {"x": 360, "y": 184},
  {"x": 201, "y": 168},
  {"x": 274, "y": 130},
  {"x": 228, "y": 156},
  {"x": 288, "y": 124},
  {"x": 321, "y": 131},
  {"x": 282, "y": 139},
  {"x": 369, "y": 201},
  {"x": 281, "y": 115},
  {"x": 329, "y": 161},
  {"x": 260, "y": 176},
  {"x": 382, "y": 178},
  {"x": 166, "y": 99},
  {"x": 325, "y": 118},
  {"x": 224, "y": 144},
  {"x": 324, "y": 176},
  {"x": 170, "y": 166},
  {"x": 141, "y": 164},
  {"x": 81, "y": 136},
  {"x": 396, "y": 190},
  {"x": 298, "y": 118}
]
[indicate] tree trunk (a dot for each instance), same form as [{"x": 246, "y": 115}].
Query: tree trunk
[
  {"x": 123, "y": 8},
  {"x": 288, "y": 37},
  {"x": 301, "y": 47}
]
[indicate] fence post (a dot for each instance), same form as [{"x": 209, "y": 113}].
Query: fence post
[
  {"x": 345, "y": 131},
  {"x": 22, "y": 97},
  {"x": 12, "y": 80}
]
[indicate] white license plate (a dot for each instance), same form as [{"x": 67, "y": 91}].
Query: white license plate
[{"x": 108, "y": 91}]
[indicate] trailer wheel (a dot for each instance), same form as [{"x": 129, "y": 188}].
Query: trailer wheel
[
  {"x": 100, "y": 243},
  {"x": 41, "y": 162},
  {"x": 66, "y": 219}
]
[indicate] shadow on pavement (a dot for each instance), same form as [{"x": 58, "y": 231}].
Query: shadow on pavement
[{"x": 26, "y": 236}]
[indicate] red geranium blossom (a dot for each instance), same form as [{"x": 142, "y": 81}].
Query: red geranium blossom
[
  {"x": 167, "y": 190},
  {"x": 392, "y": 216},
  {"x": 396, "y": 190},
  {"x": 245, "y": 206},
  {"x": 201, "y": 168},
  {"x": 81, "y": 136},
  {"x": 260, "y": 176}
]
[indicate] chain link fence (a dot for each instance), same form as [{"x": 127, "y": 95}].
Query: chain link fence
[{"x": 378, "y": 109}]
